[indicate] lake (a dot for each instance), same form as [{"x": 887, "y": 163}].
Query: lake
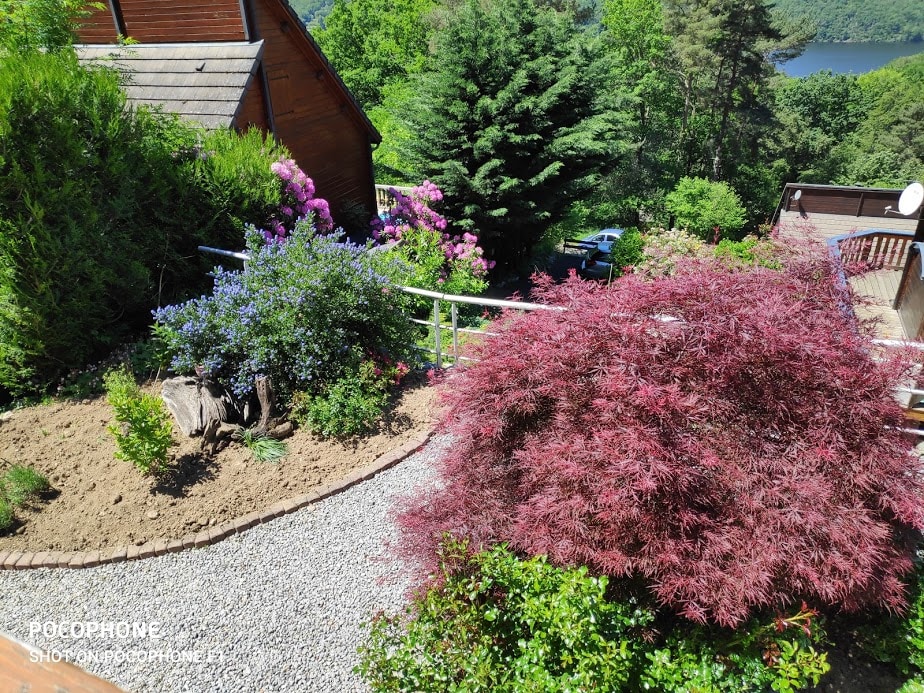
[{"x": 847, "y": 57}]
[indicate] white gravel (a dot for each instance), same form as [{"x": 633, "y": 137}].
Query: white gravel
[{"x": 281, "y": 607}]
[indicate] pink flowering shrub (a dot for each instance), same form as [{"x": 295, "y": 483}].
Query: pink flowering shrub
[
  {"x": 297, "y": 201},
  {"x": 724, "y": 438},
  {"x": 435, "y": 259}
]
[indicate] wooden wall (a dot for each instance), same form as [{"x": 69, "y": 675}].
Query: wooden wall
[
  {"x": 312, "y": 113},
  {"x": 253, "y": 109},
  {"x": 911, "y": 308},
  {"x": 830, "y": 211},
  {"x": 314, "y": 116},
  {"x": 157, "y": 21},
  {"x": 99, "y": 27}
]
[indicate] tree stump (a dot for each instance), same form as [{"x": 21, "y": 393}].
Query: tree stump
[
  {"x": 199, "y": 404},
  {"x": 267, "y": 397}
]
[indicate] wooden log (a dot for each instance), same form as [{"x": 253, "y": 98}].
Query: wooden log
[{"x": 199, "y": 404}]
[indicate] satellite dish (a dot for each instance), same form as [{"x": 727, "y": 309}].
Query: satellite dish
[
  {"x": 797, "y": 196},
  {"x": 911, "y": 199}
]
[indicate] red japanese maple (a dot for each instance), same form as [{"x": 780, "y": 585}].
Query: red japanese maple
[{"x": 727, "y": 437}]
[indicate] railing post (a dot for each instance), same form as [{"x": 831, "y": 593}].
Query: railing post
[
  {"x": 436, "y": 333},
  {"x": 455, "y": 332}
]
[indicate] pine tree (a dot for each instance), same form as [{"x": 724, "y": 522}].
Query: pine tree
[{"x": 507, "y": 122}]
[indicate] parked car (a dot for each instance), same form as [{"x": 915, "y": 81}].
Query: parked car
[
  {"x": 604, "y": 239},
  {"x": 597, "y": 264}
]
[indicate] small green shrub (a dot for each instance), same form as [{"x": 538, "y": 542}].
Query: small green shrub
[
  {"x": 264, "y": 448},
  {"x": 498, "y": 623},
  {"x": 6, "y": 514},
  {"x": 706, "y": 208},
  {"x": 145, "y": 429},
  {"x": 351, "y": 405},
  {"x": 22, "y": 484},
  {"x": 748, "y": 252},
  {"x": 627, "y": 251}
]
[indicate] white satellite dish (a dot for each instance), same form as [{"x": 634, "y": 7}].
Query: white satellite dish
[
  {"x": 911, "y": 199},
  {"x": 797, "y": 196}
]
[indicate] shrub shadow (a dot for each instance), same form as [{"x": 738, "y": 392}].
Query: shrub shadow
[{"x": 189, "y": 470}]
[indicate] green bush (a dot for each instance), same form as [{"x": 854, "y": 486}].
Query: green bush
[
  {"x": 702, "y": 206},
  {"x": 348, "y": 406},
  {"x": 144, "y": 429},
  {"x": 306, "y": 312},
  {"x": 496, "y": 622},
  {"x": 6, "y": 514},
  {"x": 22, "y": 484},
  {"x": 101, "y": 211},
  {"x": 627, "y": 251},
  {"x": 748, "y": 252}
]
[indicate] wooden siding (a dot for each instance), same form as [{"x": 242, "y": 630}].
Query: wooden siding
[
  {"x": 313, "y": 115},
  {"x": 856, "y": 202},
  {"x": 99, "y": 27},
  {"x": 823, "y": 225},
  {"x": 911, "y": 310},
  {"x": 157, "y": 21},
  {"x": 253, "y": 108}
]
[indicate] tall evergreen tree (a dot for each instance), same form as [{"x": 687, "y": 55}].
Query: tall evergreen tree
[
  {"x": 641, "y": 87},
  {"x": 507, "y": 122},
  {"x": 724, "y": 52}
]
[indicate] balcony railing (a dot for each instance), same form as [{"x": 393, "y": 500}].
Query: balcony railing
[
  {"x": 875, "y": 249},
  {"x": 384, "y": 198}
]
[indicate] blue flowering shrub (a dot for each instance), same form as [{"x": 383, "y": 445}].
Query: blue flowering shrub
[{"x": 308, "y": 311}]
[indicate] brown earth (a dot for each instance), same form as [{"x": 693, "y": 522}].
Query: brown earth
[{"x": 99, "y": 501}]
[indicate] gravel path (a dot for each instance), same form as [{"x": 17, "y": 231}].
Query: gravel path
[{"x": 278, "y": 608}]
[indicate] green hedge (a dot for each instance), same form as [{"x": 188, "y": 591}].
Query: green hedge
[{"x": 101, "y": 210}]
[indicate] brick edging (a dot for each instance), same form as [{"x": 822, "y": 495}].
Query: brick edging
[{"x": 26, "y": 560}]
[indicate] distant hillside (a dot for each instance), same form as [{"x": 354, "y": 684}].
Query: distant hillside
[
  {"x": 312, "y": 12},
  {"x": 860, "y": 20}
]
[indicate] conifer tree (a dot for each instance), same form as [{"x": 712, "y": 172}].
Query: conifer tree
[{"x": 507, "y": 121}]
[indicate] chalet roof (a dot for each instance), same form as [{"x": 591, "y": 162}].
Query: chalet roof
[{"x": 201, "y": 82}]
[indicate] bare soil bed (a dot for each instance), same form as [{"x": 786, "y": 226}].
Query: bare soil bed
[{"x": 99, "y": 501}]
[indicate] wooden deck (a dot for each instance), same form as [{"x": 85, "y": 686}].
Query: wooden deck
[{"x": 876, "y": 290}]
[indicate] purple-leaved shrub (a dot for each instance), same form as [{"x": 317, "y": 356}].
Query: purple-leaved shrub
[{"x": 727, "y": 438}]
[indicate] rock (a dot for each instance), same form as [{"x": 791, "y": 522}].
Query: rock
[
  {"x": 6, "y": 416},
  {"x": 21, "y": 529},
  {"x": 152, "y": 514},
  {"x": 202, "y": 521},
  {"x": 92, "y": 486},
  {"x": 197, "y": 403},
  {"x": 116, "y": 499},
  {"x": 283, "y": 430}
]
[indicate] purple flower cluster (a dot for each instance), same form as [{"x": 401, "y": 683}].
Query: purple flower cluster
[
  {"x": 292, "y": 315},
  {"x": 297, "y": 202},
  {"x": 413, "y": 214}
]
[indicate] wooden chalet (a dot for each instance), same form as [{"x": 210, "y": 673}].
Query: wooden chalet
[
  {"x": 864, "y": 226},
  {"x": 243, "y": 64}
]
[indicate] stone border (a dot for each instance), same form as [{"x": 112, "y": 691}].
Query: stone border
[{"x": 25, "y": 560}]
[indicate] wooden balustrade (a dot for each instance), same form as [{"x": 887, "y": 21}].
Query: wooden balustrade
[
  {"x": 383, "y": 197},
  {"x": 876, "y": 249}
]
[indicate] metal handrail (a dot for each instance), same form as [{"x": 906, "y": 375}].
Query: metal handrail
[{"x": 453, "y": 299}]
